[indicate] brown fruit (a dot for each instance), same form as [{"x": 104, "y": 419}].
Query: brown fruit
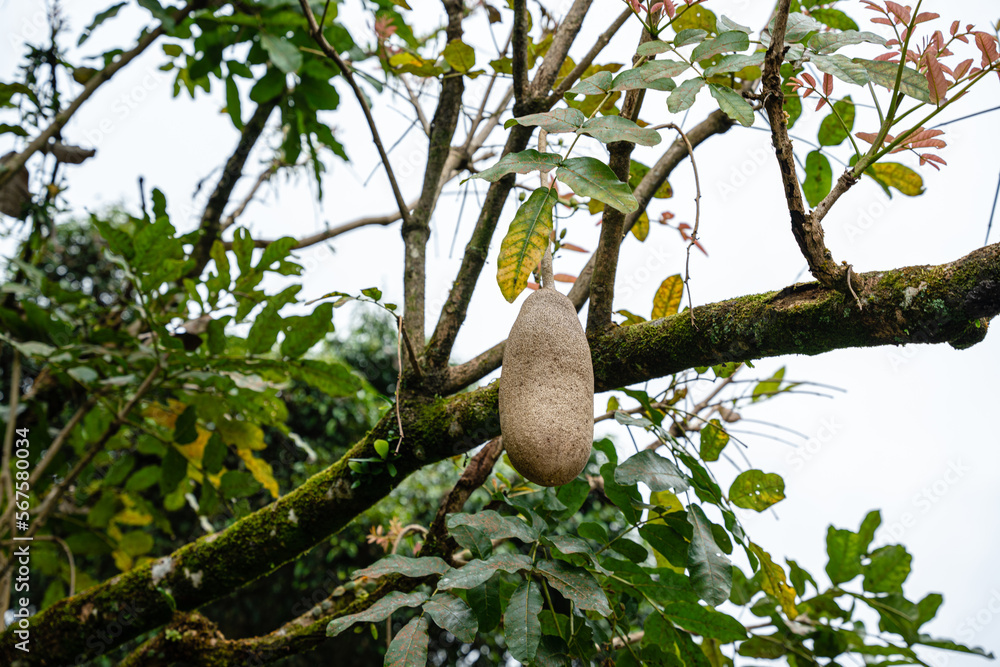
[{"x": 547, "y": 391}]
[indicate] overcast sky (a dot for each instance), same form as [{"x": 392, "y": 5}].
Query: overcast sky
[{"x": 911, "y": 433}]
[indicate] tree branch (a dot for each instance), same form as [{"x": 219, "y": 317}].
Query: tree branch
[
  {"x": 327, "y": 234},
  {"x": 317, "y": 34},
  {"x": 211, "y": 218},
  {"x": 587, "y": 60},
  {"x": 808, "y": 231},
  {"x": 263, "y": 178},
  {"x": 924, "y": 304},
  {"x": 11, "y": 167},
  {"x": 416, "y": 228},
  {"x": 563, "y": 38}
]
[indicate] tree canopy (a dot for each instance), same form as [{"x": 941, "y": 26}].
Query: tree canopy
[{"x": 186, "y": 435}]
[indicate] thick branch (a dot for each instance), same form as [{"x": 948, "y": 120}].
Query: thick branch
[
  {"x": 416, "y": 228},
  {"x": 563, "y": 38},
  {"x": 588, "y": 59},
  {"x": 807, "y": 231},
  {"x": 925, "y": 304},
  {"x": 211, "y": 218},
  {"x": 11, "y": 167}
]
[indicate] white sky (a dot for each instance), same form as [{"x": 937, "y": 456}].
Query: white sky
[{"x": 912, "y": 434}]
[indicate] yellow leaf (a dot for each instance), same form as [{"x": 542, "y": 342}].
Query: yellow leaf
[
  {"x": 773, "y": 582},
  {"x": 241, "y": 434},
  {"x": 525, "y": 243},
  {"x": 122, "y": 560},
  {"x": 261, "y": 471},
  {"x": 668, "y": 297},
  {"x": 640, "y": 229}
]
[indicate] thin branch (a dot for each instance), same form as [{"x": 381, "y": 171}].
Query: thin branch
[
  {"x": 807, "y": 231},
  {"x": 317, "y": 34},
  {"x": 13, "y": 166},
  {"x": 327, "y": 234},
  {"x": 697, "y": 218},
  {"x": 416, "y": 105},
  {"x": 210, "y": 225},
  {"x": 263, "y": 178},
  {"x": 588, "y": 59},
  {"x": 562, "y": 40}
]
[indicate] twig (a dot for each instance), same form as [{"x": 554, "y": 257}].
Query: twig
[
  {"x": 11, "y": 167},
  {"x": 317, "y": 35},
  {"x": 327, "y": 234},
  {"x": 264, "y": 177},
  {"x": 416, "y": 105},
  {"x": 697, "y": 219},
  {"x": 586, "y": 61}
]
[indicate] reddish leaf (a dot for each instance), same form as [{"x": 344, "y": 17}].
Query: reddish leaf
[
  {"x": 828, "y": 84},
  {"x": 935, "y": 79},
  {"x": 929, "y": 158},
  {"x": 881, "y": 21},
  {"x": 867, "y": 136},
  {"x": 987, "y": 45},
  {"x": 822, "y": 101},
  {"x": 666, "y": 215},
  {"x": 564, "y": 278},
  {"x": 573, "y": 247},
  {"x": 890, "y": 57},
  {"x": 923, "y": 17},
  {"x": 901, "y": 13},
  {"x": 809, "y": 79},
  {"x": 962, "y": 68},
  {"x": 954, "y": 28},
  {"x": 531, "y": 285}
]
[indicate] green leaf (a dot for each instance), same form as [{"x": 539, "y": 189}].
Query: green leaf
[
  {"x": 332, "y": 378},
  {"x": 520, "y": 163},
  {"x": 83, "y": 374},
  {"x": 100, "y": 18},
  {"x": 285, "y": 55},
  {"x": 828, "y": 42},
  {"x": 949, "y": 645},
  {"x": 667, "y": 300},
  {"x": 688, "y": 36},
  {"x": 833, "y": 18},
  {"x": 772, "y": 581},
  {"x": 734, "y": 63},
  {"x": 409, "y": 646},
  {"x": 913, "y": 83},
  {"x": 713, "y": 439},
  {"x": 119, "y": 471},
  {"x": 887, "y": 570},
  {"x": 185, "y": 431},
  {"x": 301, "y": 333},
  {"x": 494, "y": 526},
  {"x": 264, "y": 331},
  {"x": 756, "y": 490},
  {"x": 653, "y": 470},
  {"x": 768, "y": 647},
  {"x": 521, "y": 626},
  {"x": 214, "y": 455},
  {"x": 553, "y": 122},
  {"x": 238, "y": 484},
  {"x": 655, "y": 75},
  {"x": 598, "y": 84},
  {"x": 136, "y": 543},
  {"x": 667, "y": 540},
  {"x": 454, "y": 615},
  {"x": 589, "y": 177},
  {"x": 845, "y": 548},
  {"x": 460, "y": 56},
  {"x": 694, "y": 16},
  {"x": 379, "y": 611},
  {"x": 725, "y": 23},
  {"x": 732, "y": 103},
  {"x": 576, "y": 584},
  {"x": 705, "y": 622},
  {"x": 682, "y": 98},
  {"x": 143, "y": 478},
  {"x": 381, "y": 447},
  {"x": 653, "y": 48},
  {"x": 523, "y": 246},
  {"x": 799, "y": 26},
  {"x": 607, "y": 129},
  {"x": 899, "y": 176},
  {"x": 408, "y": 567},
  {"x": 233, "y": 102},
  {"x": 710, "y": 570},
  {"x": 474, "y": 540},
  {"x": 831, "y": 130},
  {"x": 734, "y": 40},
  {"x": 842, "y": 67},
  {"x": 819, "y": 178},
  {"x": 475, "y": 572},
  {"x": 485, "y": 602}
]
